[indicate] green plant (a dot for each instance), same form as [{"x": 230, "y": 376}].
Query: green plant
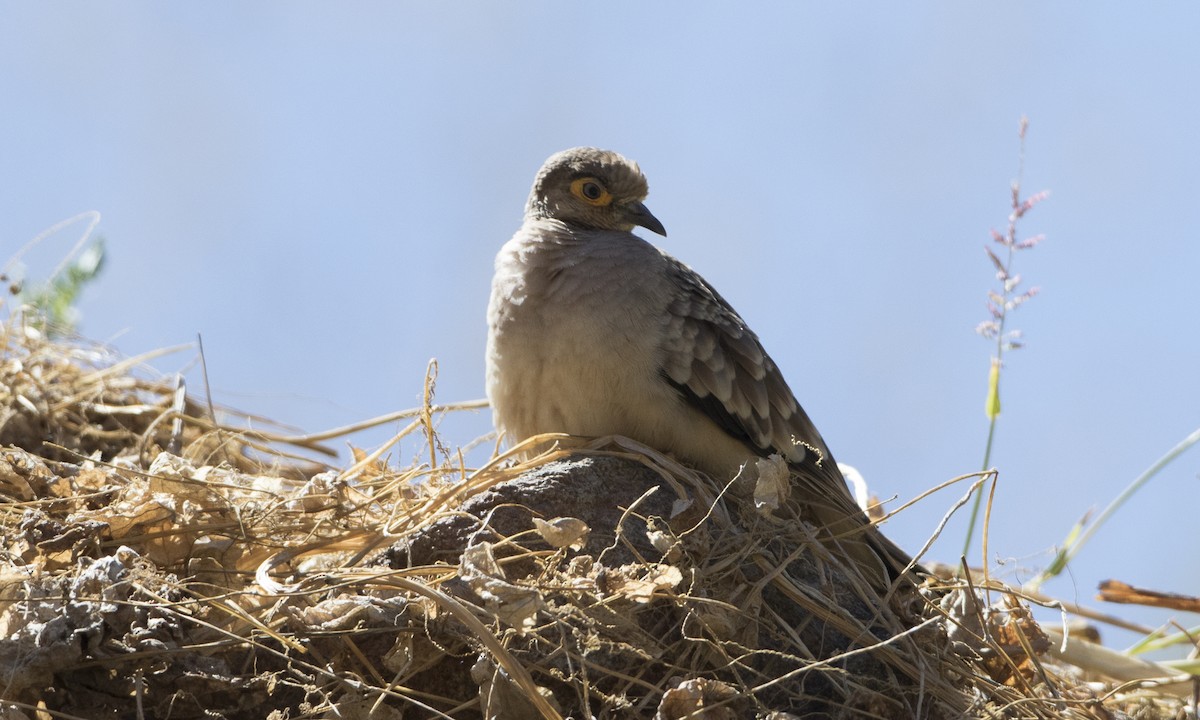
[
  {"x": 50, "y": 305},
  {"x": 1001, "y": 302},
  {"x": 1082, "y": 531},
  {"x": 53, "y": 302}
]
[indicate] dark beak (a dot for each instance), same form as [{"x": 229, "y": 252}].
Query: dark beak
[{"x": 638, "y": 214}]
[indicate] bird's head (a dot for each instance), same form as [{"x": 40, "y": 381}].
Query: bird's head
[{"x": 592, "y": 188}]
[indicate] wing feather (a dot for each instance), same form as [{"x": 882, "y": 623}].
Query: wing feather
[
  {"x": 719, "y": 366},
  {"x": 713, "y": 358}
]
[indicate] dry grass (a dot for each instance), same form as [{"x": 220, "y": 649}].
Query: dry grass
[{"x": 159, "y": 563}]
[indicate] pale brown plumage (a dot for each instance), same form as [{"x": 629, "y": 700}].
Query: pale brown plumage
[{"x": 593, "y": 331}]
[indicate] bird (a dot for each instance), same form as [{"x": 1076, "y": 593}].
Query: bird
[{"x": 594, "y": 331}]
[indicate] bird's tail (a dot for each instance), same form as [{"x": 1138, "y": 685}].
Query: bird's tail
[{"x": 847, "y": 531}]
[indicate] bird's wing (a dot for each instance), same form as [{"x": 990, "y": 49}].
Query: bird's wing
[{"x": 718, "y": 364}]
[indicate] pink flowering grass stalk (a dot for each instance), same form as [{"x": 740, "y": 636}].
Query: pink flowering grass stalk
[{"x": 1002, "y": 301}]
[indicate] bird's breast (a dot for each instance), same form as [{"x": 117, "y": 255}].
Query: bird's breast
[{"x": 573, "y": 336}]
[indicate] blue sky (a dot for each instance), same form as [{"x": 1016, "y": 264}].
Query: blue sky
[{"x": 319, "y": 189}]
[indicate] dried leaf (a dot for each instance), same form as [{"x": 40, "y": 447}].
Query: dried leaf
[
  {"x": 965, "y": 627},
  {"x": 665, "y": 542},
  {"x": 698, "y": 699},
  {"x": 773, "y": 485},
  {"x": 1014, "y": 634},
  {"x": 679, "y": 506},
  {"x": 1119, "y": 592},
  {"x": 400, "y": 657},
  {"x": 371, "y": 470},
  {"x": 501, "y": 698},
  {"x": 347, "y": 612},
  {"x": 563, "y": 532},
  {"x": 658, "y": 576},
  {"x": 515, "y": 605}
]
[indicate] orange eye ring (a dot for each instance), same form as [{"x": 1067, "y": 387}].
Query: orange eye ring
[{"x": 591, "y": 191}]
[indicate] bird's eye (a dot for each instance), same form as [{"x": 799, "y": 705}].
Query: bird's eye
[{"x": 591, "y": 191}]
